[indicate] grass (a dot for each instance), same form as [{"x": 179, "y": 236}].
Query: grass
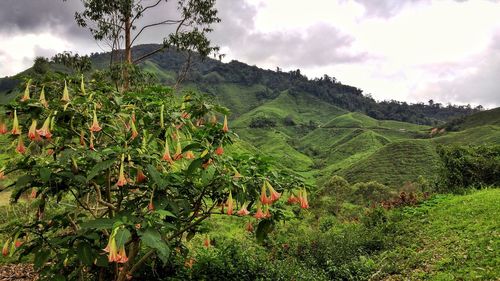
[
  {"x": 487, "y": 134},
  {"x": 450, "y": 237}
]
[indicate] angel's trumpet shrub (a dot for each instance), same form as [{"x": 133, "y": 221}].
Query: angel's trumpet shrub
[
  {"x": 243, "y": 211},
  {"x": 20, "y": 148},
  {"x": 32, "y": 130},
  {"x": 65, "y": 96},
  {"x": 121, "y": 177},
  {"x": 42, "y": 99},
  {"x": 225, "y": 128},
  {"x": 26, "y": 95},
  {"x": 230, "y": 204},
  {"x": 267, "y": 214},
  {"x": 45, "y": 130},
  {"x": 95, "y": 124},
  {"x": 206, "y": 242},
  {"x": 16, "y": 130}
]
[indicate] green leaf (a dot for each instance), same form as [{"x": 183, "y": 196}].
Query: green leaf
[
  {"x": 122, "y": 236},
  {"x": 100, "y": 223},
  {"x": 152, "y": 238},
  {"x": 45, "y": 174},
  {"x": 263, "y": 230},
  {"x": 165, "y": 213},
  {"x": 193, "y": 166},
  {"x": 191, "y": 146},
  {"x": 156, "y": 176},
  {"x": 85, "y": 253},
  {"x": 99, "y": 167},
  {"x": 190, "y": 235},
  {"x": 40, "y": 258},
  {"x": 59, "y": 278},
  {"x": 23, "y": 181}
]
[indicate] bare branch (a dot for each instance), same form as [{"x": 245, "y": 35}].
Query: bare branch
[
  {"x": 152, "y": 25},
  {"x": 143, "y": 10}
]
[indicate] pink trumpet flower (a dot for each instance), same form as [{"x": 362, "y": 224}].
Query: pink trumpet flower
[{"x": 243, "y": 211}]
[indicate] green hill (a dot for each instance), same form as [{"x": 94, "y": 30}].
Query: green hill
[
  {"x": 450, "y": 237},
  {"x": 396, "y": 163}
]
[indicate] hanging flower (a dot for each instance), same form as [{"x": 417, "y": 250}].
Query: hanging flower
[
  {"x": 32, "y": 130},
  {"x": 121, "y": 178},
  {"x": 189, "y": 263},
  {"x": 219, "y": 151},
  {"x": 65, "y": 97},
  {"x": 225, "y": 128},
  {"x": 50, "y": 151},
  {"x": 20, "y": 148},
  {"x": 213, "y": 119},
  {"x": 18, "y": 243},
  {"x": 151, "y": 206},
  {"x": 274, "y": 194},
  {"x": 166, "y": 153},
  {"x": 95, "y": 124},
  {"x": 230, "y": 204},
  {"x": 292, "y": 199},
  {"x": 178, "y": 151},
  {"x": 267, "y": 214},
  {"x": 304, "y": 204},
  {"x": 91, "y": 145},
  {"x": 162, "y": 109},
  {"x": 207, "y": 163},
  {"x": 82, "y": 86},
  {"x": 141, "y": 177},
  {"x": 42, "y": 99},
  {"x": 34, "y": 192},
  {"x": 5, "y": 249},
  {"x": 112, "y": 249},
  {"x": 122, "y": 255},
  {"x": 243, "y": 211},
  {"x": 82, "y": 138},
  {"x": 16, "y": 130},
  {"x": 3, "y": 128},
  {"x": 189, "y": 155},
  {"x": 249, "y": 227},
  {"x": 259, "y": 214},
  {"x": 263, "y": 195},
  {"x": 185, "y": 115},
  {"x": 206, "y": 242},
  {"x": 45, "y": 131},
  {"x": 134, "y": 129},
  {"x": 26, "y": 95},
  {"x": 2, "y": 175}
]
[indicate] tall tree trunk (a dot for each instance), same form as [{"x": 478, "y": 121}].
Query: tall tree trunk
[{"x": 128, "y": 54}]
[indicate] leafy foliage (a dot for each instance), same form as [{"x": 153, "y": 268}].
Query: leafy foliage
[{"x": 139, "y": 169}]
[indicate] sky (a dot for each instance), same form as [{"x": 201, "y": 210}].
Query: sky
[{"x": 407, "y": 50}]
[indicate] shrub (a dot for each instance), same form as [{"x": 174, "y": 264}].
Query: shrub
[
  {"x": 139, "y": 170},
  {"x": 469, "y": 166},
  {"x": 367, "y": 193}
]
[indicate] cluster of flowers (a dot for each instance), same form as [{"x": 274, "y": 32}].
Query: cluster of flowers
[
  {"x": 116, "y": 254},
  {"x": 11, "y": 245}
]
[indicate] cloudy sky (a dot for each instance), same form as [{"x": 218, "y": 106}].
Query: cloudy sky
[{"x": 411, "y": 50}]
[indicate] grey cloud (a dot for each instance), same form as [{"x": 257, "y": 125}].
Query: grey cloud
[
  {"x": 480, "y": 87},
  {"x": 21, "y": 16}
]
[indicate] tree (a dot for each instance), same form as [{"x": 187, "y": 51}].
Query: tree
[
  {"x": 120, "y": 179},
  {"x": 116, "y": 21}
]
